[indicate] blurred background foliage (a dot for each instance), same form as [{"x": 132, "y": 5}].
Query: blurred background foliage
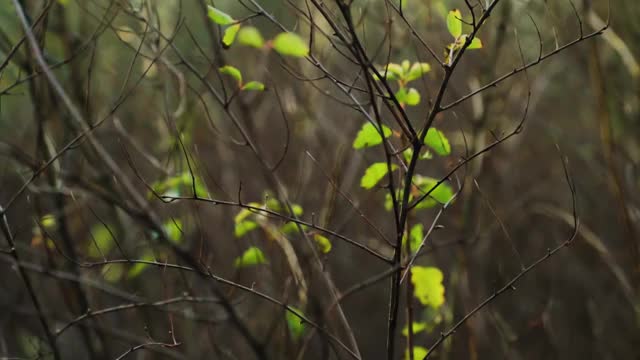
[{"x": 158, "y": 121}]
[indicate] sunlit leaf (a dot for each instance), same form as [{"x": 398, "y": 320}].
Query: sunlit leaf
[
  {"x": 475, "y": 44},
  {"x": 405, "y": 66},
  {"x": 244, "y": 213},
  {"x": 392, "y": 71},
  {"x": 417, "y": 71},
  {"x": 48, "y": 221},
  {"x": 173, "y": 228},
  {"x": 290, "y": 44},
  {"x": 428, "y": 287},
  {"x": 407, "y": 154},
  {"x": 412, "y": 97},
  {"x": 374, "y": 174},
  {"x": 370, "y": 136},
  {"x": 454, "y": 23},
  {"x": 231, "y": 71},
  {"x": 438, "y": 142},
  {"x": 253, "y": 85},
  {"x": 297, "y": 209},
  {"x": 294, "y": 323},
  {"x": 113, "y": 272},
  {"x": 173, "y": 185},
  {"x": 100, "y": 237},
  {"x": 252, "y": 256},
  {"x": 415, "y": 237},
  {"x": 244, "y": 227},
  {"x": 324, "y": 245},
  {"x": 419, "y": 353},
  {"x": 139, "y": 267},
  {"x": 218, "y": 16},
  {"x": 417, "y": 327},
  {"x": 250, "y": 36},
  {"x": 440, "y": 194},
  {"x": 230, "y": 35}
]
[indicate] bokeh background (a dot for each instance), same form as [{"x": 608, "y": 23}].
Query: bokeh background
[{"x": 157, "y": 119}]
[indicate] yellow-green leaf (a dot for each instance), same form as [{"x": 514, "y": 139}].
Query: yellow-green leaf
[
  {"x": 290, "y": 44},
  {"x": 113, "y": 272},
  {"x": 100, "y": 237},
  {"x": 417, "y": 71},
  {"x": 324, "y": 245},
  {"x": 392, "y": 71},
  {"x": 454, "y": 23},
  {"x": 173, "y": 228},
  {"x": 428, "y": 288},
  {"x": 415, "y": 237},
  {"x": 48, "y": 221},
  {"x": 475, "y": 44},
  {"x": 218, "y": 16},
  {"x": 244, "y": 227},
  {"x": 417, "y": 327},
  {"x": 252, "y": 256},
  {"x": 294, "y": 323},
  {"x": 437, "y": 141},
  {"x": 139, "y": 267},
  {"x": 250, "y": 36},
  {"x": 230, "y": 35},
  {"x": 440, "y": 194},
  {"x": 253, "y": 85},
  {"x": 374, "y": 174},
  {"x": 413, "y": 97},
  {"x": 419, "y": 353},
  {"x": 370, "y": 136},
  {"x": 231, "y": 71}
]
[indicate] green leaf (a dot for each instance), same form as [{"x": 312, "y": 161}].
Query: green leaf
[
  {"x": 253, "y": 85},
  {"x": 393, "y": 71},
  {"x": 294, "y": 323},
  {"x": 230, "y": 35},
  {"x": 437, "y": 141},
  {"x": 428, "y": 288},
  {"x": 290, "y": 44},
  {"x": 475, "y": 44},
  {"x": 419, "y": 353},
  {"x": 426, "y": 155},
  {"x": 252, "y": 256},
  {"x": 324, "y": 245},
  {"x": 289, "y": 227},
  {"x": 441, "y": 194},
  {"x": 173, "y": 228},
  {"x": 113, "y": 272},
  {"x": 454, "y": 23},
  {"x": 174, "y": 185},
  {"x": 407, "y": 154},
  {"x": 405, "y": 66},
  {"x": 370, "y": 136},
  {"x": 415, "y": 236},
  {"x": 417, "y": 327},
  {"x": 412, "y": 97},
  {"x": 244, "y": 227},
  {"x": 250, "y": 36},
  {"x": 219, "y": 17},
  {"x": 417, "y": 71},
  {"x": 297, "y": 209},
  {"x": 138, "y": 268},
  {"x": 48, "y": 221},
  {"x": 232, "y": 71},
  {"x": 374, "y": 174},
  {"x": 100, "y": 237}
]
